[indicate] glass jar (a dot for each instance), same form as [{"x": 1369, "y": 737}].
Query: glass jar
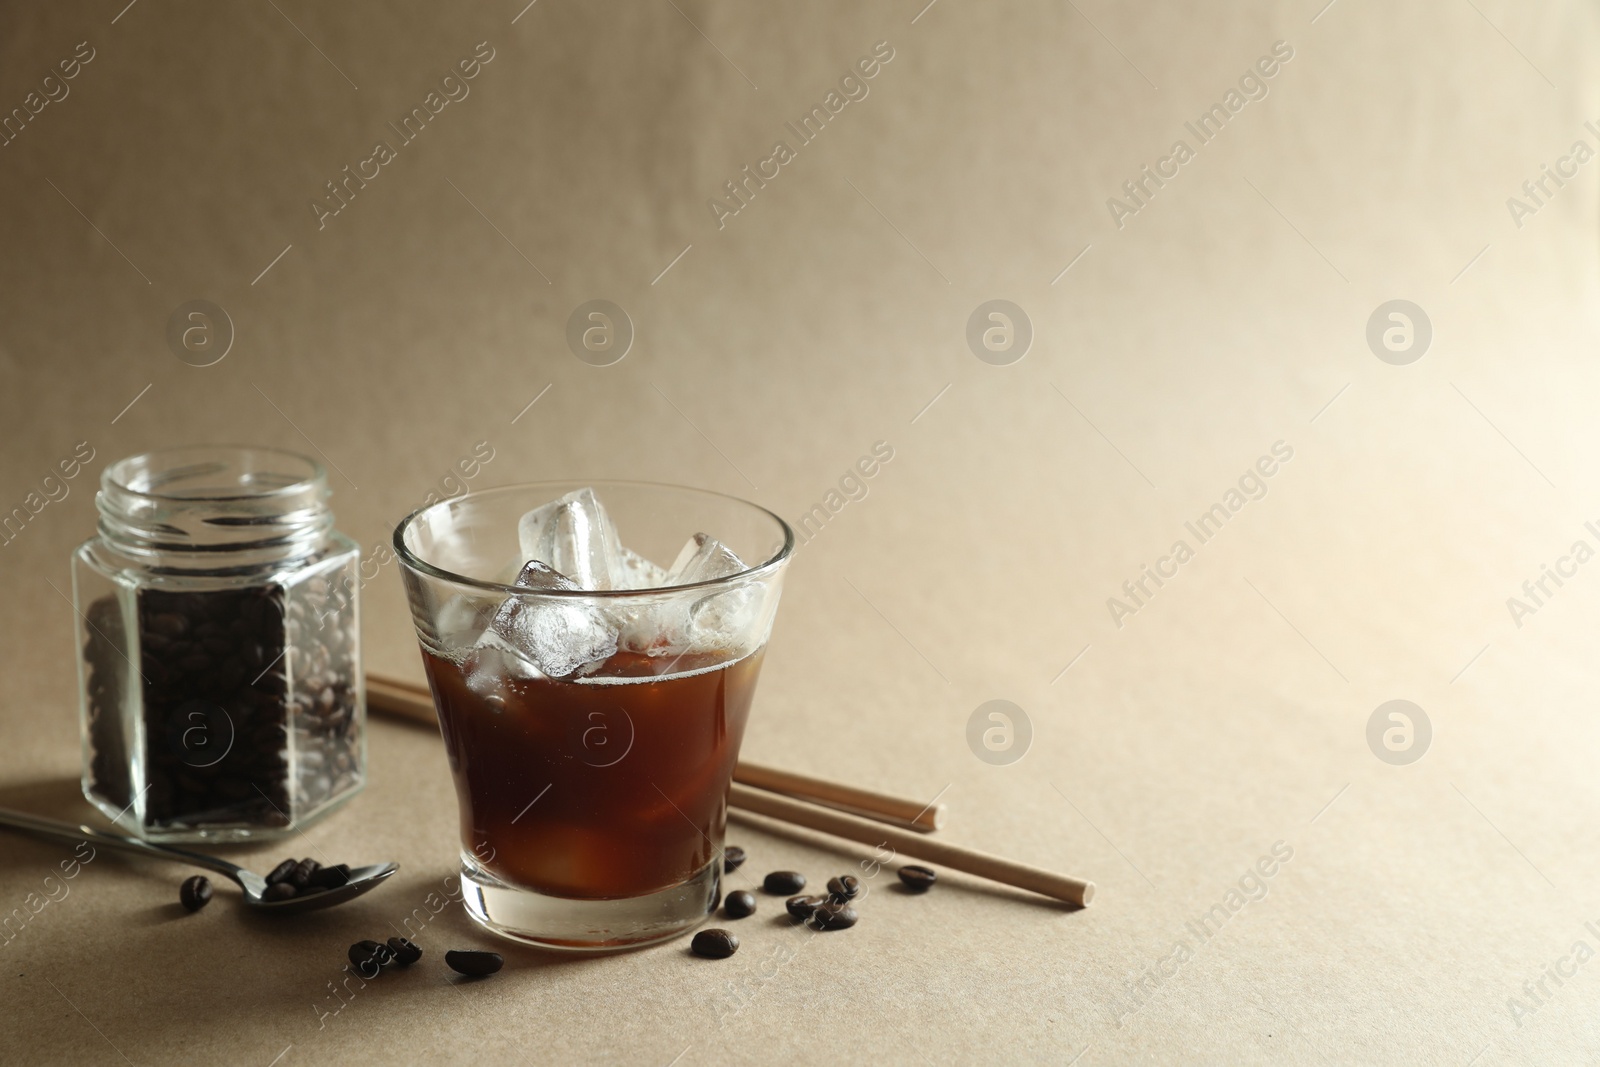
[{"x": 220, "y": 678}]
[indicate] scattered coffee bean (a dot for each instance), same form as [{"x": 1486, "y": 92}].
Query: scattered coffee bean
[
  {"x": 918, "y": 879},
  {"x": 330, "y": 877},
  {"x": 732, "y": 857},
  {"x": 362, "y": 951},
  {"x": 384, "y": 954},
  {"x": 800, "y": 908},
  {"x": 405, "y": 953},
  {"x": 282, "y": 871},
  {"x": 301, "y": 877},
  {"x": 196, "y": 892},
  {"x": 739, "y": 905},
  {"x": 714, "y": 944},
  {"x": 833, "y": 917},
  {"x": 782, "y": 883},
  {"x": 845, "y": 887},
  {"x": 281, "y": 891},
  {"x": 365, "y": 959},
  {"x": 473, "y": 962}
]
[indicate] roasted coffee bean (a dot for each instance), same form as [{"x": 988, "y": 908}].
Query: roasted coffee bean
[
  {"x": 732, "y": 857},
  {"x": 405, "y": 953},
  {"x": 800, "y": 908},
  {"x": 473, "y": 962},
  {"x": 714, "y": 944},
  {"x": 739, "y": 905},
  {"x": 844, "y": 887},
  {"x": 364, "y": 957},
  {"x": 303, "y": 872},
  {"x": 217, "y": 707},
  {"x": 196, "y": 892},
  {"x": 384, "y": 954},
  {"x": 330, "y": 877},
  {"x": 362, "y": 951},
  {"x": 281, "y": 891},
  {"x": 368, "y": 958},
  {"x": 918, "y": 879},
  {"x": 203, "y": 757},
  {"x": 107, "y": 662},
  {"x": 833, "y": 917},
  {"x": 782, "y": 883},
  {"x": 282, "y": 871}
]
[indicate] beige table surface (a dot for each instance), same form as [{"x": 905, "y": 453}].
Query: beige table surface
[{"x": 1168, "y": 754}]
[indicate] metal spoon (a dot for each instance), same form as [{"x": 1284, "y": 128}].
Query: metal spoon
[{"x": 252, "y": 884}]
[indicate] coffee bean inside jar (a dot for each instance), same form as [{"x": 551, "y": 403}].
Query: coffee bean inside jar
[
  {"x": 105, "y": 669},
  {"x": 221, "y": 669},
  {"x": 216, "y": 720}
]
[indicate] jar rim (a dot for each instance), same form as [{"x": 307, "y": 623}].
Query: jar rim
[
  {"x": 190, "y": 506},
  {"x": 115, "y": 476}
]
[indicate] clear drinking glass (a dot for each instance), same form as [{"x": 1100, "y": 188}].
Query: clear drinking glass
[{"x": 592, "y": 803}]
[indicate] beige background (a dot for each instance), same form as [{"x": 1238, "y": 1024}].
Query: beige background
[{"x": 1227, "y": 715}]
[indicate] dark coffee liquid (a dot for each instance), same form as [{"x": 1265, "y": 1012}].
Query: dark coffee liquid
[{"x": 612, "y": 786}]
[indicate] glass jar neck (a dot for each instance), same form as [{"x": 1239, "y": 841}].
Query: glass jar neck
[{"x": 214, "y": 509}]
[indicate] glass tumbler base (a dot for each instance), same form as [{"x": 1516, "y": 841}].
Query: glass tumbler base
[{"x": 572, "y": 925}]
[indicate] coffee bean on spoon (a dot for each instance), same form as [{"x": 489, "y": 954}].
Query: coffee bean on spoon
[
  {"x": 918, "y": 879},
  {"x": 473, "y": 962},
  {"x": 739, "y": 905},
  {"x": 732, "y": 858},
  {"x": 282, "y": 871},
  {"x": 330, "y": 877},
  {"x": 714, "y": 944},
  {"x": 783, "y": 883},
  {"x": 800, "y": 908},
  {"x": 830, "y": 916},
  {"x": 844, "y": 887},
  {"x": 405, "y": 953},
  {"x": 195, "y": 892},
  {"x": 280, "y": 891},
  {"x": 303, "y": 872}
]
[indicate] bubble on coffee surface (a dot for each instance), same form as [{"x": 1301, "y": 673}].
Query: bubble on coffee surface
[{"x": 493, "y": 662}]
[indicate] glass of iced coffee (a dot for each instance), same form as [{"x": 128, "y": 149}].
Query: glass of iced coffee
[{"x": 593, "y": 650}]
